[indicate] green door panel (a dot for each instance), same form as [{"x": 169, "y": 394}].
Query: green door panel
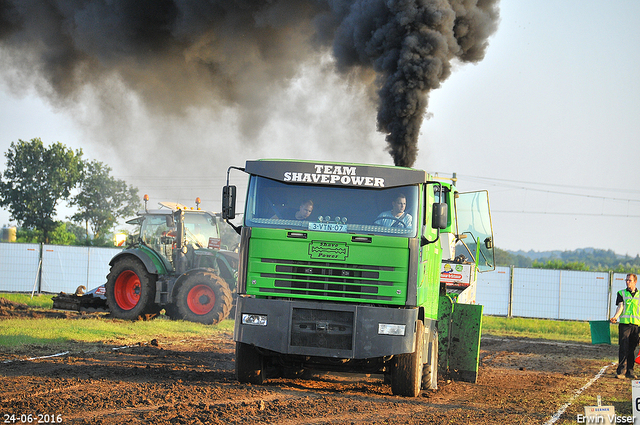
[{"x": 466, "y": 327}]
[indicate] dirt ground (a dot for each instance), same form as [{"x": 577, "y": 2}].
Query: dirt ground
[{"x": 191, "y": 381}]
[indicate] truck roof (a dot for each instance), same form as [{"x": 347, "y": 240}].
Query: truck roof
[{"x": 336, "y": 173}]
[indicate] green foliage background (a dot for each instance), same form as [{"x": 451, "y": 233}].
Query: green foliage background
[
  {"x": 38, "y": 177},
  {"x": 586, "y": 259}
]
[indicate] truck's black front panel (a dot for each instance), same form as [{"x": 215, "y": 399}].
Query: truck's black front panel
[
  {"x": 322, "y": 328},
  {"x": 347, "y": 331}
]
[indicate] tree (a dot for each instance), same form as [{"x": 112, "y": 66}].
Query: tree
[
  {"x": 78, "y": 232},
  {"x": 558, "y": 264},
  {"x": 102, "y": 199},
  {"x": 60, "y": 235},
  {"x": 505, "y": 259},
  {"x": 36, "y": 178}
]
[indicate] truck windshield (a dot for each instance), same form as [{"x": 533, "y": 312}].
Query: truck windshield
[{"x": 274, "y": 204}]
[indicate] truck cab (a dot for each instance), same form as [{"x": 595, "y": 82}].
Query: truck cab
[{"x": 340, "y": 270}]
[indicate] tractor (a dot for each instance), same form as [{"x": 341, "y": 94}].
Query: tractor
[{"x": 174, "y": 261}]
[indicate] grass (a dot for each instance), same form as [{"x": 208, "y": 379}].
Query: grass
[
  {"x": 560, "y": 330},
  {"x": 58, "y": 332},
  {"x": 38, "y": 300},
  {"x": 61, "y": 332},
  {"x": 50, "y": 332}
]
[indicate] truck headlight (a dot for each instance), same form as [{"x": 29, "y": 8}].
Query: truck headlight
[
  {"x": 389, "y": 329},
  {"x": 254, "y": 319}
]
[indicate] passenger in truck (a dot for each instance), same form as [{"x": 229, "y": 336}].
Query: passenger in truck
[{"x": 303, "y": 212}]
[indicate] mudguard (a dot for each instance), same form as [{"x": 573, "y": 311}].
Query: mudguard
[
  {"x": 460, "y": 328},
  {"x": 152, "y": 262}
]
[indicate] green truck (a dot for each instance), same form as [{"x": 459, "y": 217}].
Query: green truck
[{"x": 357, "y": 268}]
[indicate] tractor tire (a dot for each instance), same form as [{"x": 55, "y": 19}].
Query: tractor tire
[
  {"x": 406, "y": 370},
  {"x": 130, "y": 290},
  {"x": 203, "y": 298},
  {"x": 171, "y": 312},
  {"x": 249, "y": 364}
]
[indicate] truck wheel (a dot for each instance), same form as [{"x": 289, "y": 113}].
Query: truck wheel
[
  {"x": 249, "y": 364},
  {"x": 406, "y": 370},
  {"x": 430, "y": 370},
  {"x": 204, "y": 298},
  {"x": 130, "y": 290}
]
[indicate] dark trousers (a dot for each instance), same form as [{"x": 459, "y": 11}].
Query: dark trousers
[{"x": 628, "y": 337}]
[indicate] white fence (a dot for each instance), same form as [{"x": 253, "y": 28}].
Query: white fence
[
  {"x": 507, "y": 291},
  {"x": 52, "y": 268},
  {"x": 549, "y": 294}
]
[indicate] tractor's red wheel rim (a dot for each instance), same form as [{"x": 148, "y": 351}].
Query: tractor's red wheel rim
[
  {"x": 201, "y": 299},
  {"x": 127, "y": 290}
]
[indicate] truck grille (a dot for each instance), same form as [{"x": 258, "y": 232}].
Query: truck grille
[
  {"x": 327, "y": 279},
  {"x": 322, "y": 329}
]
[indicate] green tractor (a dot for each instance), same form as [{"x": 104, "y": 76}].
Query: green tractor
[{"x": 174, "y": 262}]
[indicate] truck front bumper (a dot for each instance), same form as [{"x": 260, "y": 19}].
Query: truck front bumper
[{"x": 346, "y": 331}]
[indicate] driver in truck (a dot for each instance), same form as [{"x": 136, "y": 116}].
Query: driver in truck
[{"x": 396, "y": 217}]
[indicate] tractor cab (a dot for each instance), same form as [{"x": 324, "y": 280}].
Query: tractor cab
[{"x": 182, "y": 238}]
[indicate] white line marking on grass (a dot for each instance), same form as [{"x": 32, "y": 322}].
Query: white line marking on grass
[
  {"x": 64, "y": 353},
  {"x": 564, "y": 407}
]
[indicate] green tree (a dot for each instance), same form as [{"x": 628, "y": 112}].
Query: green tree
[
  {"x": 506, "y": 259},
  {"x": 102, "y": 200},
  {"x": 557, "y": 264},
  {"x": 78, "y": 231},
  {"x": 36, "y": 178},
  {"x": 60, "y": 235}
]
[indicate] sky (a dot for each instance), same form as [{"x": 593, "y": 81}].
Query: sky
[{"x": 547, "y": 122}]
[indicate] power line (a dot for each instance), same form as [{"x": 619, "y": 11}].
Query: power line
[
  {"x": 497, "y": 181},
  {"x": 565, "y": 213},
  {"x": 609, "y": 189}
]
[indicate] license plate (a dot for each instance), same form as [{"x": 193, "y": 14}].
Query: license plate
[{"x": 328, "y": 227}]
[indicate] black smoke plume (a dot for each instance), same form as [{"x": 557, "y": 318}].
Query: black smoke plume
[{"x": 179, "y": 54}]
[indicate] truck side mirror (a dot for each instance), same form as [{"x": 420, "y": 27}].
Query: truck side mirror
[
  {"x": 488, "y": 242},
  {"x": 229, "y": 202},
  {"x": 439, "y": 215}
]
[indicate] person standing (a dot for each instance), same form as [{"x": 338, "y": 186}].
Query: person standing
[{"x": 628, "y": 311}]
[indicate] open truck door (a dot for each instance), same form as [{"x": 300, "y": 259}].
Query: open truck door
[{"x": 459, "y": 318}]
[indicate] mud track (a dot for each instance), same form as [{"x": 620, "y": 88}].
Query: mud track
[{"x": 192, "y": 381}]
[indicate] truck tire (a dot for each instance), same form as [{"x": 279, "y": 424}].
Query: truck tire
[
  {"x": 249, "y": 364},
  {"x": 130, "y": 290},
  {"x": 430, "y": 369},
  {"x": 406, "y": 369},
  {"x": 203, "y": 298}
]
